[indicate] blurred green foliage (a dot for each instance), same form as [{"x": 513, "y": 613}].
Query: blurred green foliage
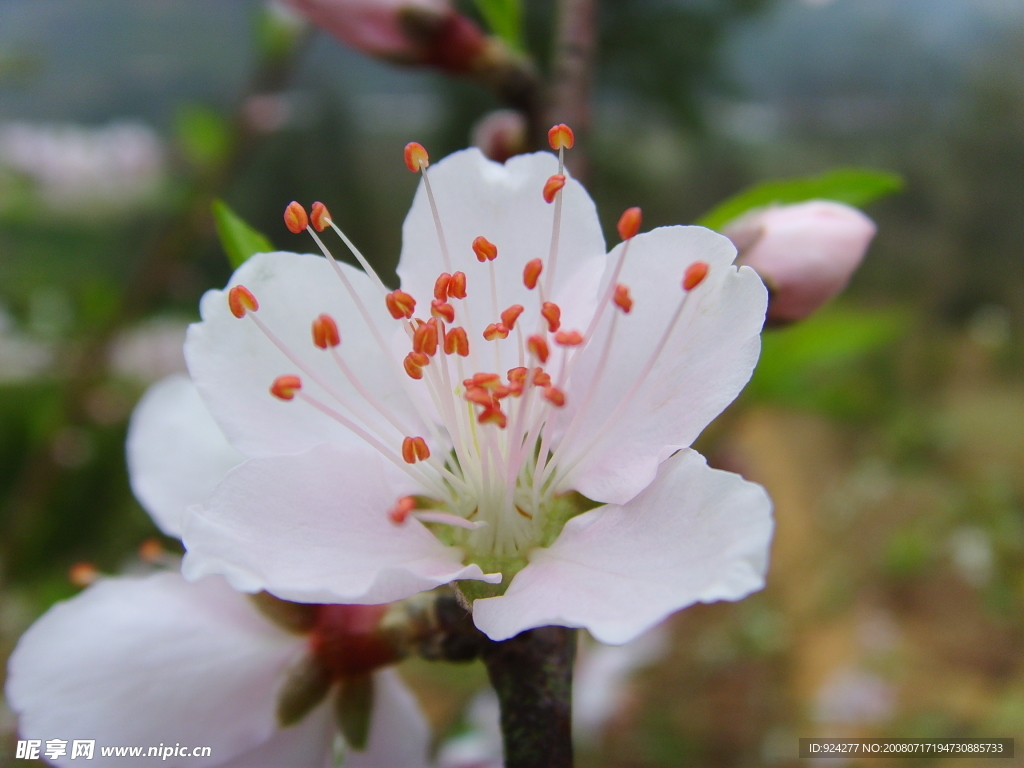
[{"x": 239, "y": 240}]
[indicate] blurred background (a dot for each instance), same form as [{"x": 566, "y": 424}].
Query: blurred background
[{"x": 888, "y": 428}]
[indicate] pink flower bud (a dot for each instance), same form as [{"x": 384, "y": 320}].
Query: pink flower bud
[
  {"x": 805, "y": 253},
  {"x": 501, "y": 134}
]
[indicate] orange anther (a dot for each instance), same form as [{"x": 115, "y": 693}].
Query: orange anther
[
  {"x": 538, "y": 347},
  {"x": 320, "y": 217},
  {"x": 555, "y": 396},
  {"x": 442, "y": 310},
  {"x": 569, "y": 338},
  {"x": 151, "y": 551},
  {"x": 492, "y": 415},
  {"x": 485, "y": 250},
  {"x": 416, "y": 158},
  {"x": 622, "y": 298},
  {"x": 285, "y": 387},
  {"x": 541, "y": 378},
  {"x": 424, "y": 339},
  {"x": 456, "y": 342},
  {"x": 441, "y": 286},
  {"x": 629, "y": 223},
  {"x": 83, "y": 574},
  {"x": 241, "y": 300},
  {"x": 401, "y": 510},
  {"x": 531, "y": 272},
  {"x": 420, "y": 446},
  {"x": 325, "y": 332},
  {"x": 694, "y": 275},
  {"x": 480, "y": 396},
  {"x": 551, "y": 187},
  {"x": 495, "y": 331},
  {"x": 414, "y": 363},
  {"x": 553, "y": 314},
  {"x": 501, "y": 392},
  {"x": 561, "y": 137},
  {"x": 485, "y": 380},
  {"x": 295, "y": 217},
  {"x": 409, "y": 450},
  {"x": 457, "y": 287},
  {"x": 400, "y": 304},
  {"x": 517, "y": 375},
  {"x": 510, "y": 315}
]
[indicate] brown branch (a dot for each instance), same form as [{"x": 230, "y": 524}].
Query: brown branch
[{"x": 575, "y": 48}]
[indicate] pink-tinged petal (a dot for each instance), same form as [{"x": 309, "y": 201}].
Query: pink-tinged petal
[
  {"x": 176, "y": 452},
  {"x": 693, "y": 535},
  {"x": 150, "y": 661},
  {"x": 314, "y": 527},
  {"x": 614, "y": 451},
  {"x": 503, "y": 203},
  {"x": 233, "y": 363},
  {"x": 399, "y": 734},
  {"x": 307, "y": 744}
]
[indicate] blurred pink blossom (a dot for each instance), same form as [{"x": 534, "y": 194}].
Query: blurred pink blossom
[{"x": 805, "y": 253}]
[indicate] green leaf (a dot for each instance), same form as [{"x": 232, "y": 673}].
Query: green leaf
[
  {"x": 240, "y": 241},
  {"x": 203, "y": 135},
  {"x": 504, "y": 17},
  {"x": 352, "y": 709},
  {"x": 853, "y": 186}
]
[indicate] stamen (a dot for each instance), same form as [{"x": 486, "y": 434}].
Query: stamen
[
  {"x": 622, "y": 299},
  {"x": 569, "y": 338},
  {"x": 555, "y": 396},
  {"x": 694, "y": 275},
  {"x": 416, "y": 157},
  {"x": 320, "y": 217},
  {"x": 531, "y": 272},
  {"x": 401, "y": 510},
  {"x": 295, "y": 218},
  {"x": 493, "y": 415},
  {"x": 285, "y": 387},
  {"x": 400, "y": 304},
  {"x": 417, "y": 160},
  {"x": 241, "y": 301},
  {"x": 561, "y": 137},
  {"x": 414, "y": 364},
  {"x": 510, "y": 315},
  {"x": 485, "y": 380},
  {"x": 442, "y": 310},
  {"x": 424, "y": 339},
  {"x": 538, "y": 347},
  {"x": 457, "y": 286},
  {"x": 553, "y": 314},
  {"x": 444, "y": 518},
  {"x": 629, "y": 223},
  {"x": 414, "y": 449},
  {"x": 480, "y": 396},
  {"x": 325, "y": 332},
  {"x": 541, "y": 378},
  {"x": 441, "y": 286},
  {"x": 485, "y": 250},
  {"x": 456, "y": 342},
  {"x": 552, "y": 186},
  {"x": 495, "y": 331}
]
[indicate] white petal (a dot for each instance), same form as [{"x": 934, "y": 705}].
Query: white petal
[
  {"x": 150, "y": 661},
  {"x": 399, "y": 734},
  {"x": 504, "y": 203},
  {"x": 694, "y": 535},
  {"x": 313, "y": 527},
  {"x": 706, "y": 361},
  {"x": 176, "y": 452},
  {"x": 233, "y": 363},
  {"x": 481, "y": 745},
  {"x": 307, "y": 744}
]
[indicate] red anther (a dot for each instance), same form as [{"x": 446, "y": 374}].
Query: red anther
[
  {"x": 441, "y": 286},
  {"x": 492, "y": 415},
  {"x": 495, "y": 331},
  {"x": 538, "y": 347},
  {"x": 629, "y": 223},
  {"x": 408, "y": 451},
  {"x": 484, "y": 249},
  {"x": 457, "y": 287},
  {"x": 456, "y": 342},
  {"x": 517, "y": 375},
  {"x": 424, "y": 339},
  {"x": 485, "y": 380},
  {"x": 531, "y": 272},
  {"x": 480, "y": 396},
  {"x": 325, "y": 332},
  {"x": 561, "y": 137},
  {"x": 400, "y": 304},
  {"x": 241, "y": 300},
  {"x": 414, "y": 363},
  {"x": 553, "y": 314},
  {"x": 622, "y": 298},
  {"x": 694, "y": 275},
  {"x": 501, "y": 392},
  {"x": 422, "y": 451},
  {"x": 555, "y": 396},
  {"x": 442, "y": 310},
  {"x": 510, "y": 315},
  {"x": 320, "y": 217},
  {"x": 401, "y": 510},
  {"x": 551, "y": 187},
  {"x": 295, "y": 218},
  {"x": 416, "y": 158},
  {"x": 569, "y": 338},
  {"x": 285, "y": 387},
  {"x": 541, "y": 378}
]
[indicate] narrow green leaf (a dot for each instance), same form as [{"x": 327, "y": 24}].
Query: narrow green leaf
[
  {"x": 504, "y": 17},
  {"x": 240, "y": 241},
  {"x": 853, "y": 186},
  {"x": 352, "y": 708}
]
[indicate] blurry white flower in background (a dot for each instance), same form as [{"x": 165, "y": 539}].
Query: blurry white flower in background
[
  {"x": 21, "y": 358},
  {"x": 852, "y": 696},
  {"x": 82, "y": 170},
  {"x": 150, "y": 350}
]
